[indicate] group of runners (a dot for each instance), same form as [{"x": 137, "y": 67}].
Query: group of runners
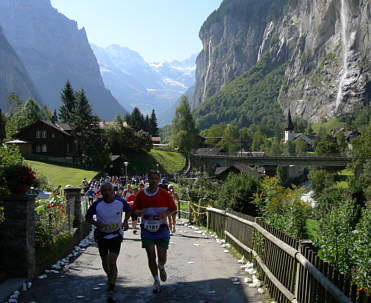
[{"x": 155, "y": 207}]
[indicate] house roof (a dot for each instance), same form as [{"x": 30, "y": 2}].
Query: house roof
[
  {"x": 156, "y": 139},
  {"x": 114, "y": 158},
  {"x": 240, "y": 167},
  {"x": 61, "y": 127}
]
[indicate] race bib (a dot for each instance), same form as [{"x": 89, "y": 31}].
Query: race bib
[
  {"x": 152, "y": 226},
  {"x": 111, "y": 227}
]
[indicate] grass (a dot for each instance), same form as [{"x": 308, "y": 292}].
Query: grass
[
  {"x": 61, "y": 175},
  {"x": 46, "y": 255},
  {"x": 142, "y": 162},
  {"x": 312, "y": 227}
]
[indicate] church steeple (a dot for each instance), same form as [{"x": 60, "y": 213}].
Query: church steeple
[{"x": 290, "y": 125}]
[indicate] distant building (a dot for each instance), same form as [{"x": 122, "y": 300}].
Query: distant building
[
  {"x": 237, "y": 168},
  {"x": 156, "y": 140},
  {"x": 290, "y": 135},
  {"x": 44, "y": 140},
  {"x": 289, "y": 130}
]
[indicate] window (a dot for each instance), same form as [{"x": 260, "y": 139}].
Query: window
[
  {"x": 68, "y": 147},
  {"x": 53, "y": 135},
  {"x": 44, "y": 134},
  {"x": 38, "y": 134},
  {"x": 44, "y": 149},
  {"x": 38, "y": 148}
]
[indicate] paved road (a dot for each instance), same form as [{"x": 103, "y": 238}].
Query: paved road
[{"x": 208, "y": 279}]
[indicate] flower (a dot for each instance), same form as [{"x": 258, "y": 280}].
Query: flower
[
  {"x": 62, "y": 210},
  {"x": 48, "y": 206}
]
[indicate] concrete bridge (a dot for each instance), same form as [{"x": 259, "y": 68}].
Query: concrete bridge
[{"x": 228, "y": 160}]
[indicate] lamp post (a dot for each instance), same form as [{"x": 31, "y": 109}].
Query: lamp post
[{"x": 126, "y": 171}]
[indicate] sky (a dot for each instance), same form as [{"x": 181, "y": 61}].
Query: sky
[{"x": 160, "y": 30}]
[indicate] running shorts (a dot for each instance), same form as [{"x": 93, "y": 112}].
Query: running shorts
[
  {"x": 163, "y": 243},
  {"x": 106, "y": 246}
]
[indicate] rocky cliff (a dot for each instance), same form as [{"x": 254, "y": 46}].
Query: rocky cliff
[
  {"x": 54, "y": 50},
  {"x": 13, "y": 76},
  {"x": 324, "y": 44}
]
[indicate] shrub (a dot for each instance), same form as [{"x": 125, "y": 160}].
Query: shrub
[
  {"x": 282, "y": 207},
  {"x": 237, "y": 192}
]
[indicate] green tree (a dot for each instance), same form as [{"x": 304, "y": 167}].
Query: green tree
[
  {"x": 320, "y": 179},
  {"x": 290, "y": 147},
  {"x": 237, "y": 192},
  {"x": 276, "y": 147},
  {"x": 153, "y": 130},
  {"x": 230, "y": 140},
  {"x": 258, "y": 142},
  {"x": 214, "y": 134},
  {"x": 45, "y": 113},
  {"x": 31, "y": 111},
  {"x": 184, "y": 133},
  {"x": 15, "y": 104},
  {"x": 326, "y": 145},
  {"x": 300, "y": 146},
  {"x": 246, "y": 138},
  {"x": 136, "y": 119},
  {"x": 54, "y": 117},
  {"x": 67, "y": 110},
  {"x": 2, "y": 127}
]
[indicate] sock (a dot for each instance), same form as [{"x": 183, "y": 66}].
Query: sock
[
  {"x": 156, "y": 279},
  {"x": 111, "y": 286},
  {"x": 161, "y": 267}
]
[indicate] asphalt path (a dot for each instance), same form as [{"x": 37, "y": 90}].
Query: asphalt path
[{"x": 199, "y": 271}]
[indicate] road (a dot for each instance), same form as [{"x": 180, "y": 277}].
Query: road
[{"x": 209, "y": 277}]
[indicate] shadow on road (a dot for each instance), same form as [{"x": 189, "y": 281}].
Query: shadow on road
[{"x": 72, "y": 288}]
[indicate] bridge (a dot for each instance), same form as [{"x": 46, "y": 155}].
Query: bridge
[{"x": 300, "y": 160}]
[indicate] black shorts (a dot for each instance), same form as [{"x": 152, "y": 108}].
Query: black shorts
[
  {"x": 106, "y": 246},
  {"x": 134, "y": 217}
]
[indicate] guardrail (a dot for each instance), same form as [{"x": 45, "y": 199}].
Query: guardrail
[{"x": 292, "y": 270}]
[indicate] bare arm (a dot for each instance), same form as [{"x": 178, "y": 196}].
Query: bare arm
[{"x": 95, "y": 223}]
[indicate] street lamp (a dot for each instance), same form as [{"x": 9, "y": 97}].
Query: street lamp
[{"x": 126, "y": 171}]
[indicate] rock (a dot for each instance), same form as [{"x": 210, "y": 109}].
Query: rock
[
  {"x": 42, "y": 277},
  {"x": 261, "y": 291},
  {"x": 226, "y": 251},
  {"x": 247, "y": 280}
]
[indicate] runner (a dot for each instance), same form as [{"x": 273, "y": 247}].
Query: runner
[
  {"x": 172, "y": 218},
  {"x": 134, "y": 217},
  {"x": 156, "y": 205},
  {"x": 109, "y": 235}
]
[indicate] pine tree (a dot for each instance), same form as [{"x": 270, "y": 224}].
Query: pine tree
[
  {"x": 136, "y": 119},
  {"x": 45, "y": 113},
  {"x": 54, "y": 118},
  {"x": 2, "y": 127},
  {"x": 66, "y": 111},
  {"x": 184, "y": 133},
  {"x": 153, "y": 130}
]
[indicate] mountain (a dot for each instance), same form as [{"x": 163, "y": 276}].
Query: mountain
[
  {"x": 53, "y": 50},
  {"x": 262, "y": 57},
  {"x": 13, "y": 76},
  {"x": 136, "y": 83}
]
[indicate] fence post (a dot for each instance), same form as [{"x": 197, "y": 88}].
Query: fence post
[
  {"x": 73, "y": 198},
  {"x": 189, "y": 212},
  {"x": 17, "y": 245},
  {"x": 207, "y": 220}
]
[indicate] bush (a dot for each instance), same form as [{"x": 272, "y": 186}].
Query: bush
[
  {"x": 237, "y": 192},
  {"x": 282, "y": 207}
]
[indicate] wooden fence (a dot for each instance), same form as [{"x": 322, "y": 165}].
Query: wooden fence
[{"x": 291, "y": 269}]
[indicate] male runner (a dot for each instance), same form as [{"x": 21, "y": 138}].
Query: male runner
[
  {"x": 108, "y": 211},
  {"x": 156, "y": 205}
]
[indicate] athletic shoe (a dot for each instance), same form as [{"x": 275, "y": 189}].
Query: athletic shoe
[
  {"x": 111, "y": 296},
  {"x": 156, "y": 287},
  {"x": 163, "y": 274},
  {"x": 174, "y": 230},
  {"x": 134, "y": 231}
]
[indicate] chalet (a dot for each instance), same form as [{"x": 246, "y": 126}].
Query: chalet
[
  {"x": 46, "y": 140},
  {"x": 237, "y": 168}
]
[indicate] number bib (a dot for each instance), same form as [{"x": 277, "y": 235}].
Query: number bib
[{"x": 152, "y": 226}]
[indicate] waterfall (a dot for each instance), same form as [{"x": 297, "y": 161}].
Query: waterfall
[
  {"x": 346, "y": 49},
  {"x": 207, "y": 72}
]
